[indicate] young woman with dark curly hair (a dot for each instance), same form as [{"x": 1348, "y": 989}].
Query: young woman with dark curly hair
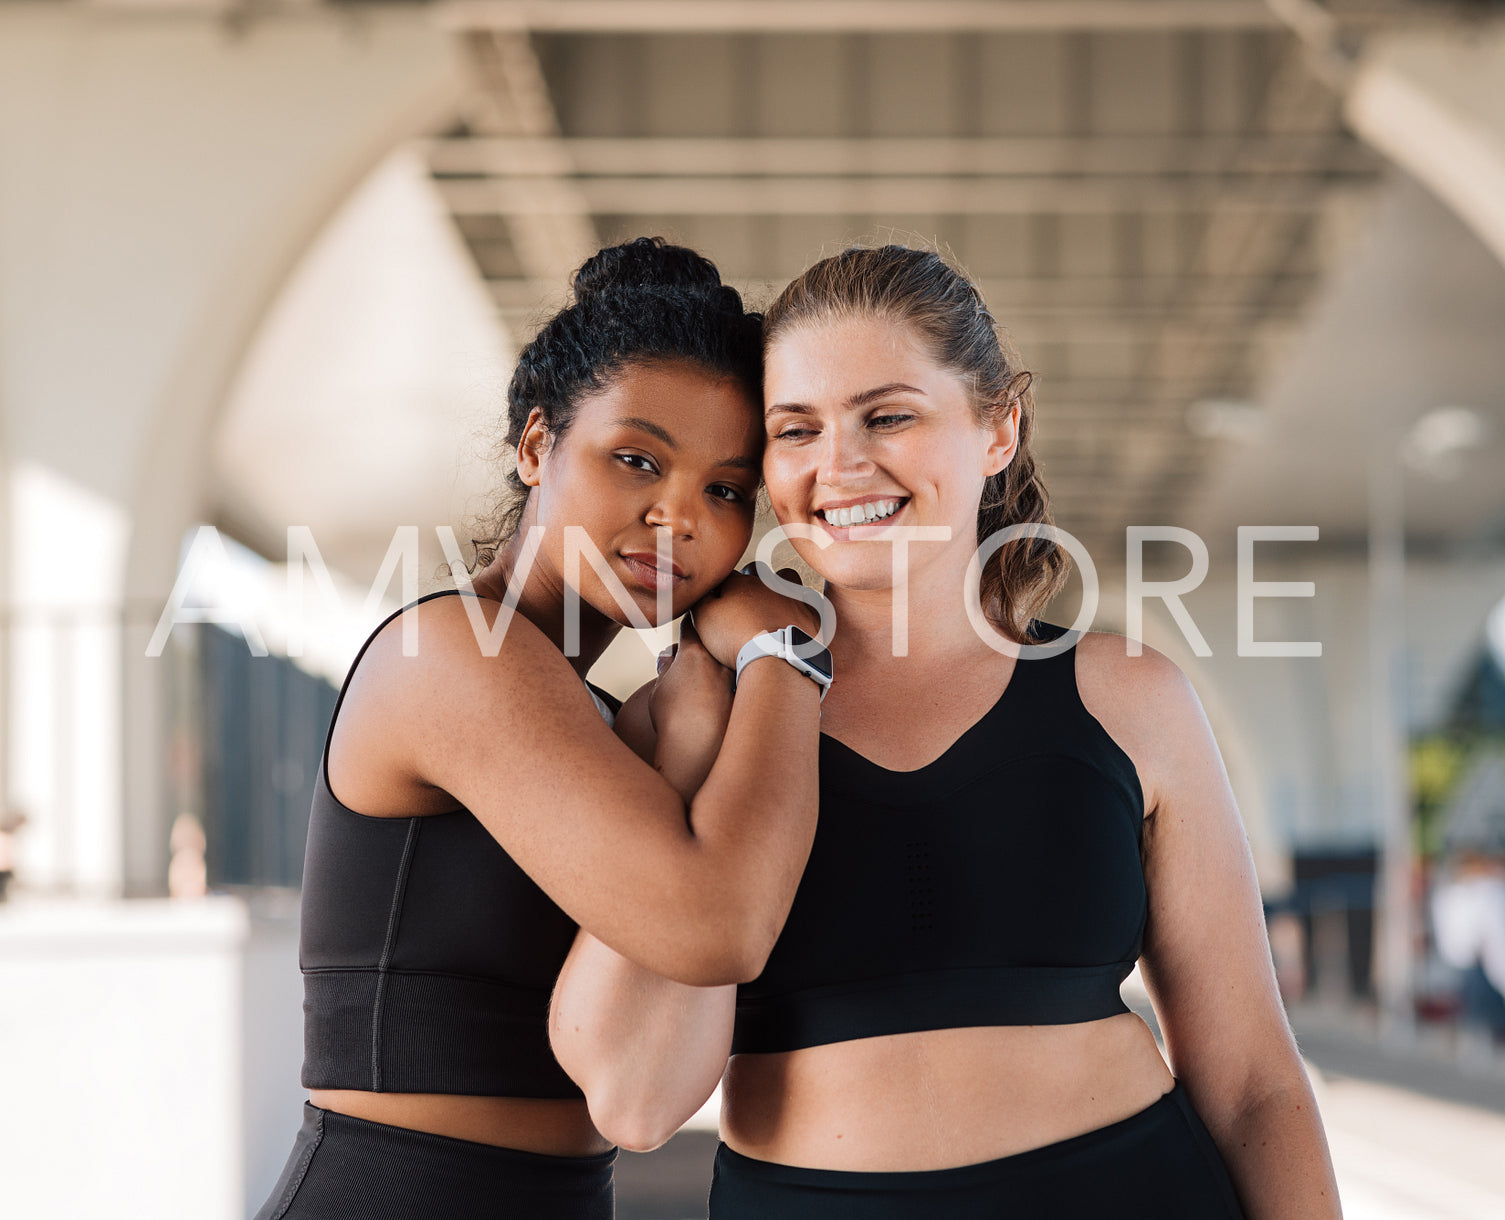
[{"x": 474, "y": 805}]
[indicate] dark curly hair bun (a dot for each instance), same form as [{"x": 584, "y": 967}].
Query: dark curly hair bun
[
  {"x": 635, "y": 303},
  {"x": 644, "y": 262},
  {"x": 650, "y": 264}
]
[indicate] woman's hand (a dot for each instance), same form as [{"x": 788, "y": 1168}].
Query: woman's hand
[
  {"x": 693, "y": 693},
  {"x": 696, "y": 894},
  {"x": 689, "y": 707},
  {"x": 743, "y": 606}
]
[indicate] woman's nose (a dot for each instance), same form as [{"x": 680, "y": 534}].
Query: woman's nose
[
  {"x": 843, "y": 458},
  {"x": 673, "y": 511}
]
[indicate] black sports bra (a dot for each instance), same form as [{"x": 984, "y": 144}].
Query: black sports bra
[
  {"x": 1000, "y": 884},
  {"x": 428, "y": 955}
]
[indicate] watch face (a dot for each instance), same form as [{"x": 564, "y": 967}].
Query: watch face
[{"x": 808, "y": 650}]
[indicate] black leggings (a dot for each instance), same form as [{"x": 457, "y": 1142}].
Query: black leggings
[
  {"x": 344, "y": 1168},
  {"x": 1160, "y": 1164}
]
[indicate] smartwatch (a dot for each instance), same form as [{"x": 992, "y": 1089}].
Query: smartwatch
[{"x": 796, "y": 647}]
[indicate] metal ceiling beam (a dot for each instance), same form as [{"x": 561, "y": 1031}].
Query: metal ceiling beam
[
  {"x": 1076, "y": 326},
  {"x": 866, "y": 16},
  {"x": 1132, "y": 156},
  {"x": 511, "y": 100},
  {"x": 808, "y": 196},
  {"x": 1253, "y": 241},
  {"x": 1008, "y": 295}
]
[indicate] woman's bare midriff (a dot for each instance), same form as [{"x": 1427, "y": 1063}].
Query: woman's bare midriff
[
  {"x": 940, "y": 1098},
  {"x": 530, "y": 1124}
]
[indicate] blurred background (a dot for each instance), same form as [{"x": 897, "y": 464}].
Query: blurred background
[{"x": 264, "y": 264}]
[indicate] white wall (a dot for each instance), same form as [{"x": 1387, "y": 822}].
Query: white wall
[{"x": 149, "y": 1052}]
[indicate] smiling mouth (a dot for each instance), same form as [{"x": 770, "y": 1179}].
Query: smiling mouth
[{"x": 871, "y": 512}]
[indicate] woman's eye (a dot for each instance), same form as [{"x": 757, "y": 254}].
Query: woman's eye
[
  {"x": 725, "y": 491},
  {"x": 888, "y": 421},
  {"x": 637, "y": 461},
  {"x": 794, "y": 434}
]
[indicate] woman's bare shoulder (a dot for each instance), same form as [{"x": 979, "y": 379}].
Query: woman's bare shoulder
[
  {"x": 1108, "y": 661},
  {"x": 433, "y": 672}
]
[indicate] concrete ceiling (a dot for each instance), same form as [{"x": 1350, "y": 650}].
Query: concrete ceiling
[
  {"x": 1222, "y": 293},
  {"x": 1406, "y": 335},
  {"x": 1150, "y": 207}
]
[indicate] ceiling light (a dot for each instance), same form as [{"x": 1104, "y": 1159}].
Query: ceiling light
[
  {"x": 1231, "y": 419},
  {"x": 1435, "y": 442}
]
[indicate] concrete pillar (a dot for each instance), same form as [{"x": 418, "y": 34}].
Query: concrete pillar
[{"x": 163, "y": 173}]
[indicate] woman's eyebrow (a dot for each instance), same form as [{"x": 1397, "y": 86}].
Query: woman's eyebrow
[
  {"x": 648, "y": 426},
  {"x": 882, "y": 391},
  {"x": 861, "y": 399},
  {"x": 741, "y": 463}
]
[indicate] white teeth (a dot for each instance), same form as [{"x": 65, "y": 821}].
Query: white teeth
[{"x": 860, "y": 514}]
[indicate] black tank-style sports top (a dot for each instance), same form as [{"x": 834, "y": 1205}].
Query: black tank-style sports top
[
  {"x": 1000, "y": 884},
  {"x": 428, "y": 955}
]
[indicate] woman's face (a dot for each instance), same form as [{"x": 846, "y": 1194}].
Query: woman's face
[
  {"x": 862, "y": 420},
  {"x": 664, "y": 446}
]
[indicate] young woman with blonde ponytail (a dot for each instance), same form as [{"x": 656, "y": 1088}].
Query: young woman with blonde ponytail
[{"x": 1011, "y": 817}]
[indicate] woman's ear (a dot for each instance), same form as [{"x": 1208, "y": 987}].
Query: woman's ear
[
  {"x": 1003, "y": 440},
  {"x": 532, "y": 447}
]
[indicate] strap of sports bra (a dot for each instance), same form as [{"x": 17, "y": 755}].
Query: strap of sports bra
[
  {"x": 350, "y": 673},
  {"x": 605, "y": 703}
]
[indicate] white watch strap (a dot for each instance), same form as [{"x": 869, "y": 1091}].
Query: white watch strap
[
  {"x": 767, "y": 644},
  {"x": 777, "y": 644}
]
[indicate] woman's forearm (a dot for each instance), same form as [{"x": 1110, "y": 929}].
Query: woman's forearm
[
  {"x": 646, "y": 1051},
  {"x": 686, "y": 764},
  {"x": 751, "y": 862},
  {"x": 1277, "y": 1155}
]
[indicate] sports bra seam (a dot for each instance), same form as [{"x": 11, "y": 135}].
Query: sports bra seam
[
  {"x": 394, "y": 918},
  {"x": 921, "y": 975},
  {"x": 410, "y": 971}
]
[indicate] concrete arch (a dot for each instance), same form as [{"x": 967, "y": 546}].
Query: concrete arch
[
  {"x": 164, "y": 177},
  {"x": 1434, "y": 102},
  {"x": 404, "y": 82}
]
